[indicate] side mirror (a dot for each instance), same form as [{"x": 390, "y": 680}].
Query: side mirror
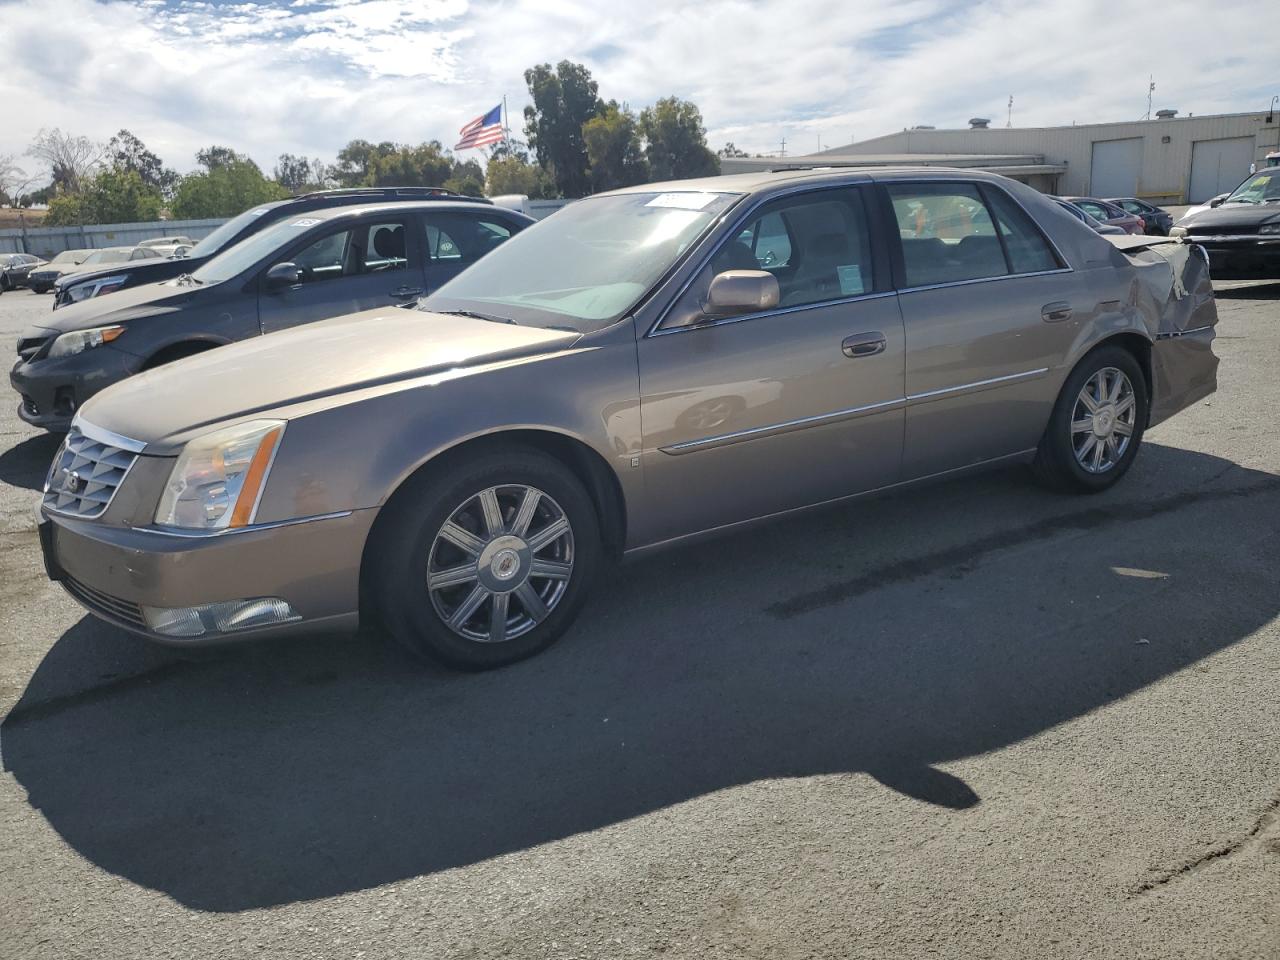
[
  {"x": 736, "y": 292},
  {"x": 1217, "y": 201},
  {"x": 283, "y": 275}
]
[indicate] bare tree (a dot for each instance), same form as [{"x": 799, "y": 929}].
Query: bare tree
[
  {"x": 13, "y": 180},
  {"x": 72, "y": 160}
]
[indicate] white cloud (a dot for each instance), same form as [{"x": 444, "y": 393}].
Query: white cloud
[{"x": 305, "y": 76}]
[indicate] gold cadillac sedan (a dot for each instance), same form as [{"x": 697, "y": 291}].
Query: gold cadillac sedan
[{"x": 644, "y": 367}]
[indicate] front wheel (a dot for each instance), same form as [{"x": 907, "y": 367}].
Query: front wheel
[
  {"x": 488, "y": 561},
  {"x": 1097, "y": 424}
]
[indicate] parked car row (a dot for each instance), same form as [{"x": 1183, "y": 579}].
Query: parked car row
[{"x": 645, "y": 367}]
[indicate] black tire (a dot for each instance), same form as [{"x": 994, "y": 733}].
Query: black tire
[
  {"x": 1056, "y": 464},
  {"x": 401, "y": 554}
]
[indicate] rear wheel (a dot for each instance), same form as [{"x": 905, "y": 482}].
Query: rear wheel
[
  {"x": 1097, "y": 424},
  {"x": 486, "y": 563}
]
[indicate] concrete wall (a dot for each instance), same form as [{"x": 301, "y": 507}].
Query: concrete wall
[
  {"x": 1166, "y": 167},
  {"x": 47, "y": 241}
]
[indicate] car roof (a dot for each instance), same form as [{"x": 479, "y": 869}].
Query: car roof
[
  {"x": 400, "y": 206},
  {"x": 767, "y": 180}
]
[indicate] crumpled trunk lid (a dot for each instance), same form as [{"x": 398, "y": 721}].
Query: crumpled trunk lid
[{"x": 1174, "y": 293}]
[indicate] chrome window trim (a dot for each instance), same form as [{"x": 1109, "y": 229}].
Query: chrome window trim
[
  {"x": 228, "y": 531},
  {"x": 772, "y": 430},
  {"x": 656, "y": 329},
  {"x": 777, "y": 312},
  {"x": 977, "y": 384},
  {"x": 103, "y": 435},
  {"x": 1003, "y": 276},
  {"x": 732, "y": 231}
]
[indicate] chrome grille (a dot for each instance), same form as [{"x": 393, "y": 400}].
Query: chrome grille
[{"x": 87, "y": 470}]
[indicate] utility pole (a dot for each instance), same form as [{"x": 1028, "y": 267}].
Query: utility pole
[
  {"x": 1010, "y": 122},
  {"x": 783, "y": 151},
  {"x": 1151, "y": 89}
]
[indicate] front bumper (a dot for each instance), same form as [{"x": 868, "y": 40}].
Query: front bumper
[
  {"x": 1243, "y": 257},
  {"x": 53, "y": 390},
  {"x": 42, "y": 282},
  {"x": 114, "y": 571}
]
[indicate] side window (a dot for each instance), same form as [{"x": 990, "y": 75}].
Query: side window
[
  {"x": 947, "y": 233},
  {"x": 817, "y": 245},
  {"x": 384, "y": 249},
  {"x": 324, "y": 259},
  {"x": 1094, "y": 210},
  {"x": 1028, "y": 250},
  {"x": 462, "y": 238}
]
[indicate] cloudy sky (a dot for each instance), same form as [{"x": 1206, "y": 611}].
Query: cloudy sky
[{"x": 306, "y": 76}]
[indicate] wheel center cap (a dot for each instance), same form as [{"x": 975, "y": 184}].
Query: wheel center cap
[
  {"x": 505, "y": 563},
  {"x": 1103, "y": 423}
]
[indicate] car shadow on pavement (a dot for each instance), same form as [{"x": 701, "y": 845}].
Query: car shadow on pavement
[
  {"x": 1260, "y": 291},
  {"x": 857, "y": 640},
  {"x": 27, "y": 463}
]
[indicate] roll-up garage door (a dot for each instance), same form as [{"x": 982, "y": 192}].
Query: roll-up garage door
[
  {"x": 1115, "y": 169},
  {"x": 1218, "y": 166}
]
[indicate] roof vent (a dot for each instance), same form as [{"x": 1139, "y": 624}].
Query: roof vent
[
  {"x": 923, "y": 126},
  {"x": 979, "y": 123},
  {"x": 1166, "y": 114}
]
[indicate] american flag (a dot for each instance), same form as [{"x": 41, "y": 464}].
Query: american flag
[{"x": 482, "y": 131}]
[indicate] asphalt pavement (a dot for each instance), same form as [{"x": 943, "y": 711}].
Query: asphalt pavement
[{"x": 971, "y": 720}]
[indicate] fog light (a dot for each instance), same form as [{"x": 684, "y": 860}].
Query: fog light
[{"x": 226, "y": 616}]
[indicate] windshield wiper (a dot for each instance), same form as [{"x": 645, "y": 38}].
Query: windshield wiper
[
  {"x": 187, "y": 280},
  {"x": 475, "y": 316}
]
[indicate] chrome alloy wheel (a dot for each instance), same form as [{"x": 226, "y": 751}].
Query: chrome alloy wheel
[
  {"x": 1102, "y": 421},
  {"x": 500, "y": 563}
]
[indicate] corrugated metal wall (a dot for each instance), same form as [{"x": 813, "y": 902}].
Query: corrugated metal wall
[
  {"x": 1166, "y": 167},
  {"x": 47, "y": 241}
]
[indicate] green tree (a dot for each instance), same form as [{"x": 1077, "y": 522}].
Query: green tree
[
  {"x": 127, "y": 152},
  {"x": 513, "y": 173},
  {"x": 731, "y": 150},
  {"x": 676, "y": 141},
  {"x": 113, "y": 196},
  {"x": 357, "y": 162},
  {"x": 212, "y": 158},
  {"x": 425, "y": 165},
  {"x": 612, "y": 139},
  {"x": 467, "y": 177},
  {"x": 301, "y": 175},
  {"x": 564, "y": 99},
  {"x": 224, "y": 190}
]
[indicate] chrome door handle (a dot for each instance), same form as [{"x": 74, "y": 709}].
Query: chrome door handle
[
  {"x": 863, "y": 344},
  {"x": 1056, "y": 312},
  {"x": 406, "y": 292}
]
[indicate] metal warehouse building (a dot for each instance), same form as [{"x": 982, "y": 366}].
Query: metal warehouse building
[{"x": 1168, "y": 160}]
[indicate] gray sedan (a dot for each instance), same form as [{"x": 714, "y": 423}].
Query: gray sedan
[{"x": 643, "y": 368}]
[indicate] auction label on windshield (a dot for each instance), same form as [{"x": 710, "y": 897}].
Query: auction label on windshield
[{"x": 682, "y": 201}]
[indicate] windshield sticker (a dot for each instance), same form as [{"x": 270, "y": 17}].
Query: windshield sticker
[
  {"x": 682, "y": 201},
  {"x": 259, "y": 212},
  {"x": 850, "y": 279},
  {"x": 304, "y": 222}
]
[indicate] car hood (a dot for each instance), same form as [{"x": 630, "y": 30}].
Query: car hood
[
  {"x": 311, "y": 366},
  {"x": 1232, "y": 215},
  {"x": 149, "y": 299},
  {"x": 140, "y": 270}
]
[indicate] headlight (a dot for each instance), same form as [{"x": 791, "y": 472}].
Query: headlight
[
  {"x": 78, "y": 341},
  {"x": 85, "y": 291},
  {"x": 219, "y": 478},
  {"x": 1178, "y": 231},
  {"x": 1269, "y": 228}
]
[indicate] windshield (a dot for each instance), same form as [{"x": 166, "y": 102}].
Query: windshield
[
  {"x": 586, "y": 265},
  {"x": 69, "y": 256},
  {"x": 218, "y": 239},
  {"x": 247, "y": 252},
  {"x": 1259, "y": 188}
]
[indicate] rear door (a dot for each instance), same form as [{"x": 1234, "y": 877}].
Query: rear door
[
  {"x": 373, "y": 262},
  {"x": 989, "y": 311}
]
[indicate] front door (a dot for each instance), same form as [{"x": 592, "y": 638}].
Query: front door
[
  {"x": 989, "y": 310},
  {"x": 786, "y": 407},
  {"x": 353, "y": 267}
]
